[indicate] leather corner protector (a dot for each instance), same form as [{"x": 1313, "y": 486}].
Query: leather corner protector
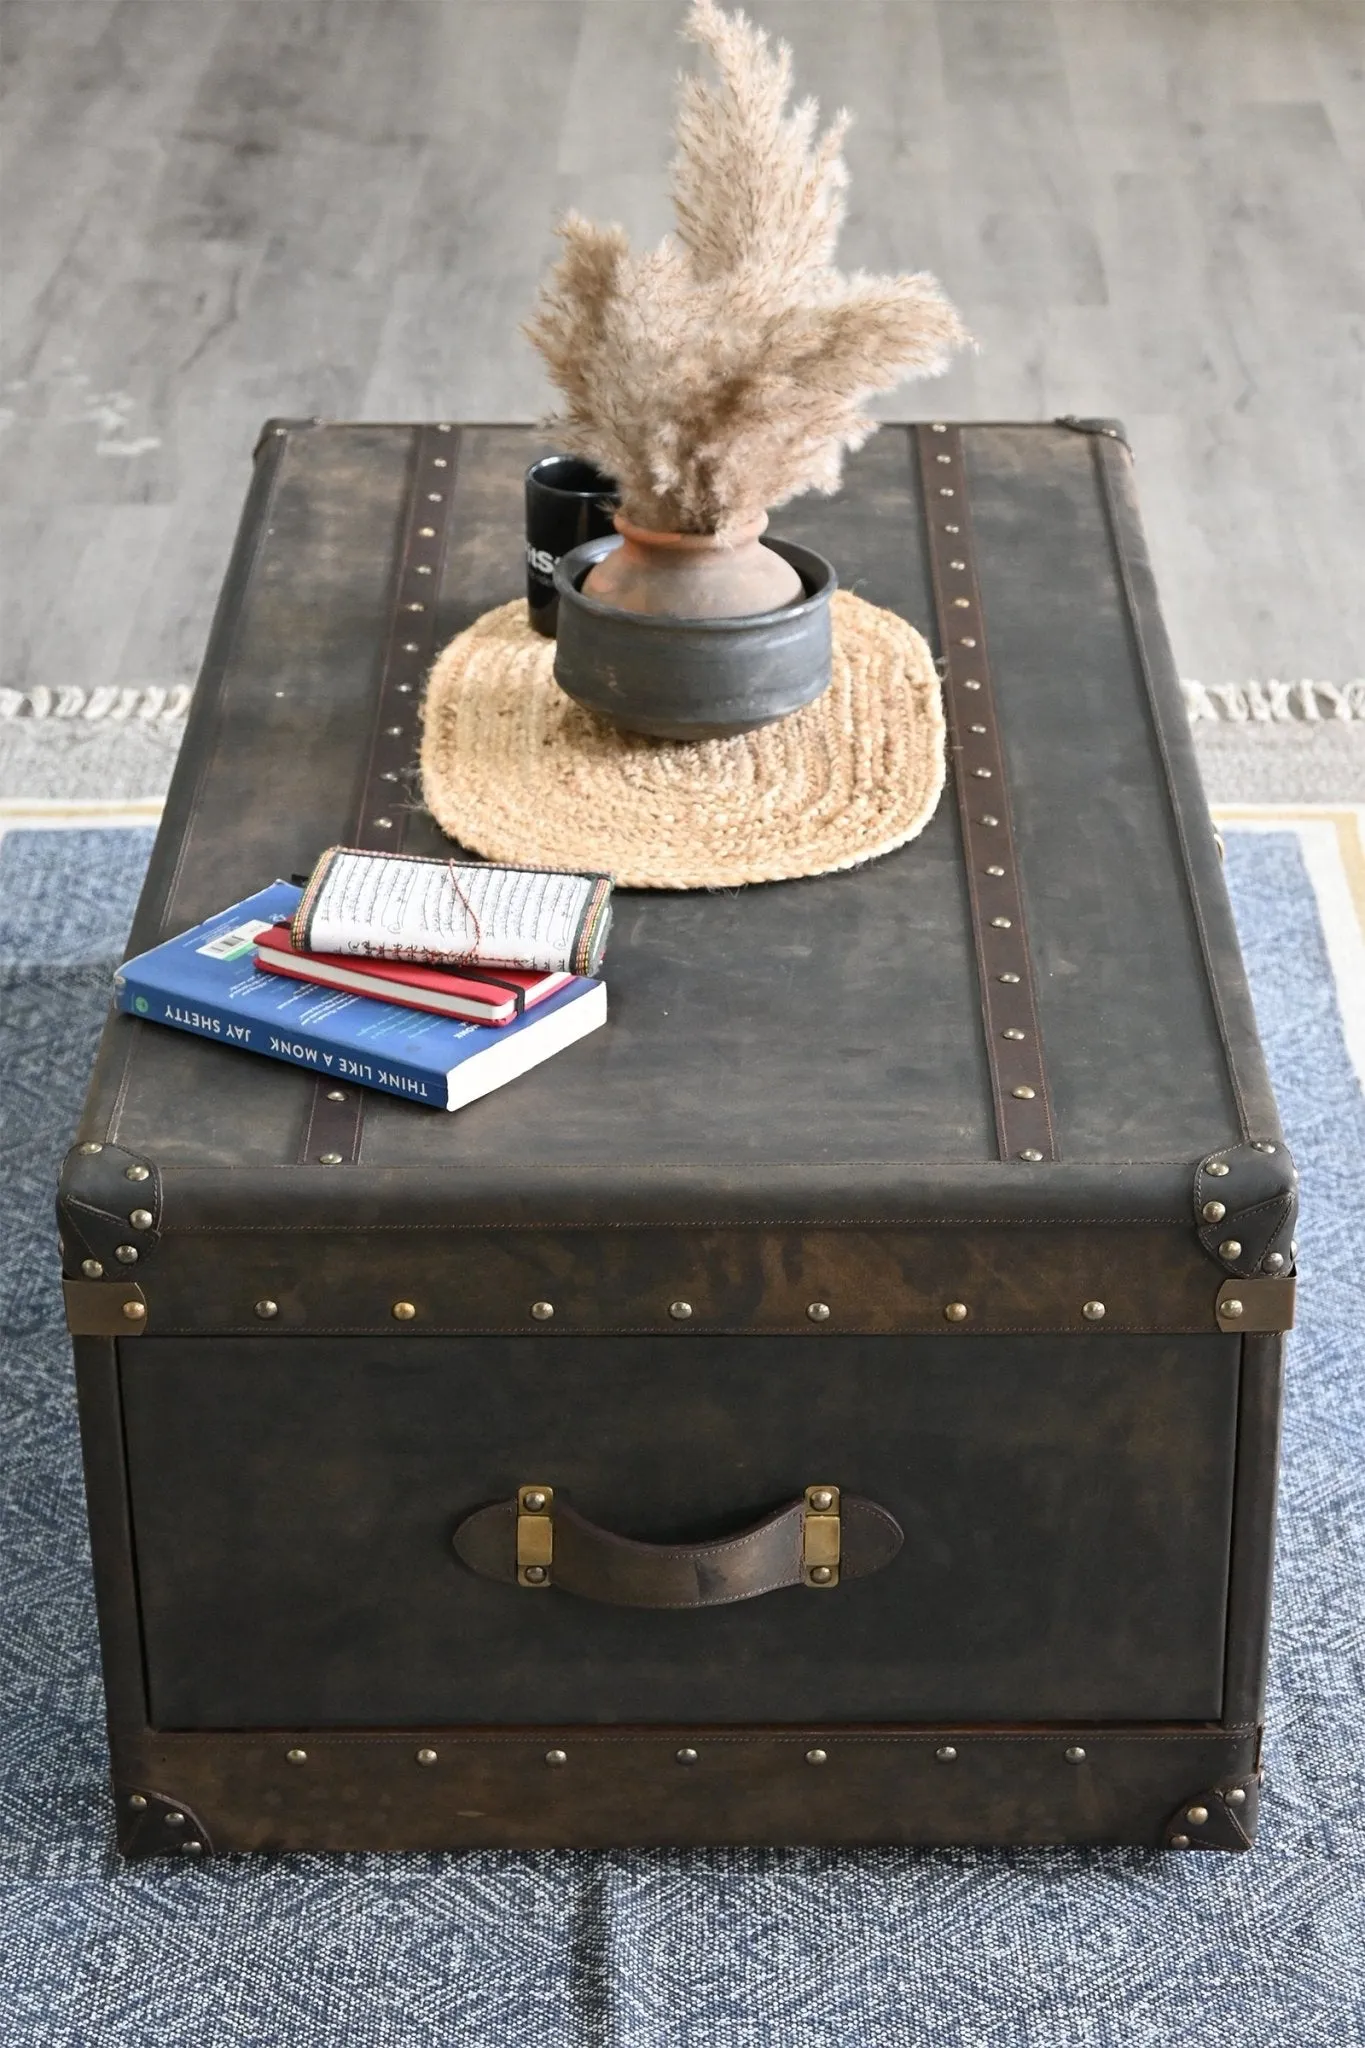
[
  {"x": 101, "y": 1308},
  {"x": 108, "y": 1211},
  {"x": 1246, "y": 1206},
  {"x": 150, "y": 1824},
  {"x": 1222, "y": 1819}
]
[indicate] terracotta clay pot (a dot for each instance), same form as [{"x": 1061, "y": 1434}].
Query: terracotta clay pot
[{"x": 693, "y": 575}]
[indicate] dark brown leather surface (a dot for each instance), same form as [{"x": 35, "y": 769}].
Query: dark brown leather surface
[
  {"x": 874, "y": 1785},
  {"x": 725, "y": 1055},
  {"x": 600, "y": 1564},
  {"x": 1066, "y": 1503}
]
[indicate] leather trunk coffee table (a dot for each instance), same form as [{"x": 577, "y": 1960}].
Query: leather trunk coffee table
[{"x": 838, "y": 1402}]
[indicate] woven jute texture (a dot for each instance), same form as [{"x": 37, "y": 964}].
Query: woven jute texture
[{"x": 516, "y": 771}]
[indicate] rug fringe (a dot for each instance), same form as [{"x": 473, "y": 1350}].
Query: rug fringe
[
  {"x": 147, "y": 703},
  {"x": 1269, "y": 703},
  {"x": 1275, "y": 703}
]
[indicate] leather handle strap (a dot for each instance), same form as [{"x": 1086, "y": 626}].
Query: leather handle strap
[{"x": 789, "y": 1548}]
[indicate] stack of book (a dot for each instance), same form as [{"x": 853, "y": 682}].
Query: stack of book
[{"x": 426, "y": 979}]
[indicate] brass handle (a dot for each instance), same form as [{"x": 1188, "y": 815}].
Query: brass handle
[{"x": 538, "y": 1541}]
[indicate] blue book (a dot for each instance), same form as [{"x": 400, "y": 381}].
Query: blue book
[{"x": 207, "y": 981}]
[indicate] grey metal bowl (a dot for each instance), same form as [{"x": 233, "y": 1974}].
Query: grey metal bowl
[{"x": 693, "y": 679}]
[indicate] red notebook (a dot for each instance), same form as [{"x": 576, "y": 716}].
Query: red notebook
[{"x": 470, "y": 993}]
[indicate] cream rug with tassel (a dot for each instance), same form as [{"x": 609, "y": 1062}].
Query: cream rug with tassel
[{"x": 516, "y": 771}]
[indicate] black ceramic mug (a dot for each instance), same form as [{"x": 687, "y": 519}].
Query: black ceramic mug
[{"x": 567, "y": 502}]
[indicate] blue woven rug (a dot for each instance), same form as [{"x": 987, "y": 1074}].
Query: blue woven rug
[{"x": 752, "y": 1949}]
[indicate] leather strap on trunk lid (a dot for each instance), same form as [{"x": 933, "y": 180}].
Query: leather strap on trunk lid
[
  {"x": 1014, "y": 1053},
  {"x": 332, "y": 1130}
]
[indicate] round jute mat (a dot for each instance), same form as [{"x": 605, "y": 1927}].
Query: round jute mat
[{"x": 516, "y": 771}]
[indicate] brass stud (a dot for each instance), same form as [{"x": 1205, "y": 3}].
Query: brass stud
[
  {"x": 267, "y": 1310},
  {"x": 1231, "y": 1309},
  {"x": 404, "y": 1311},
  {"x": 1031, "y": 1155},
  {"x": 962, "y": 604},
  {"x": 956, "y": 1312},
  {"x": 1014, "y": 1033},
  {"x": 1273, "y": 1261},
  {"x": 142, "y": 1219},
  {"x": 943, "y": 458},
  {"x": 383, "y": 824},
  {"x": 92, "y": 1269},
  {"x": 555, "y": 1757},
  {"x": 989, "y": 818},
  {"x": 970, "y": 683},
  {"x": 938, "y": 428},
  {"x": 687, "y": 1756},
  {"x": 951, "y": 529},
  {"x": 414, "y": 605},
  {"x": 1075, "y": 1755},
  {"x": 89, "y": 1150},
  {"x": 535, "y": 1575},
  {"x": 1093, "y": 1311},
  {"x": 1218, "y": 1167},
  {"x": 329, "y": 1159},
  {"x": 137, "y": 1173},
  {"x": 336, "y": 1094},
  {"x": 1180, "y": 1841},
  {"x": 296, "y": 1756},
  {"x": 1002, "y": 924},
  {"x": 957, "y": 565},
  {"x": 817, "y": 1756},
  {"x": 982, "y": 774},
  {"x": 995, "y": 870},
  {"x": 191, "y": 1848},
  {"x": 965, "y": 642},
  {"x": 1024, "y": 1094},
  {"x": 126, "y": 1254},
  {"x": 1261, "y": 1145},
  {"x": 946, "y": 1755},
  {"x": 412, "y": 647},
  {"x": 426, "y": 1756},
  {"x": 820, "y": 1575},
  {"x": 404, "y": 690},
  {"x": 135, "y": 1311},
  {"x": 1213, "y": 1212},
  {"x": 1010, "y": 979},
  {"x": 434, "y": 497},
  {"x": 818, "y": 1311},
  {"x": 542, "y": 1310},
  {"x": 439, "y": 462},
  {"x": 680, "y": 1310},
  {"x": 976, "y": 728},
  {"x": 946, "y": 491},
  {"x": 137, "y": 1800},
  {"x": 423, "y": 569},
  {"x": 821, "y": 1499},
  {"x": 1230, "y": 1248},
  {"x": 175, "y": 1820},
  {"x": 533, "y": 1500},
  {"x": 1197, "y": 1814},
  {"x": 1237, "y": 1796}
]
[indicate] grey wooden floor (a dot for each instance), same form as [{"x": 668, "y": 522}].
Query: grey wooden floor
[{"x": 220, "y": 209}]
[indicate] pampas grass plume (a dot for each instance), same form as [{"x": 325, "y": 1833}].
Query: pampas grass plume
[{"x": 727, "y": 370}]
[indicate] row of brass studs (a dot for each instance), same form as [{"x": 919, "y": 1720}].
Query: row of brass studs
[
  {"x": 556, "y": 1759},
  {"x": 977, "y": 758},
  {"x": 410, "y": 647},
  {"x": 681, "y": 1311}
]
